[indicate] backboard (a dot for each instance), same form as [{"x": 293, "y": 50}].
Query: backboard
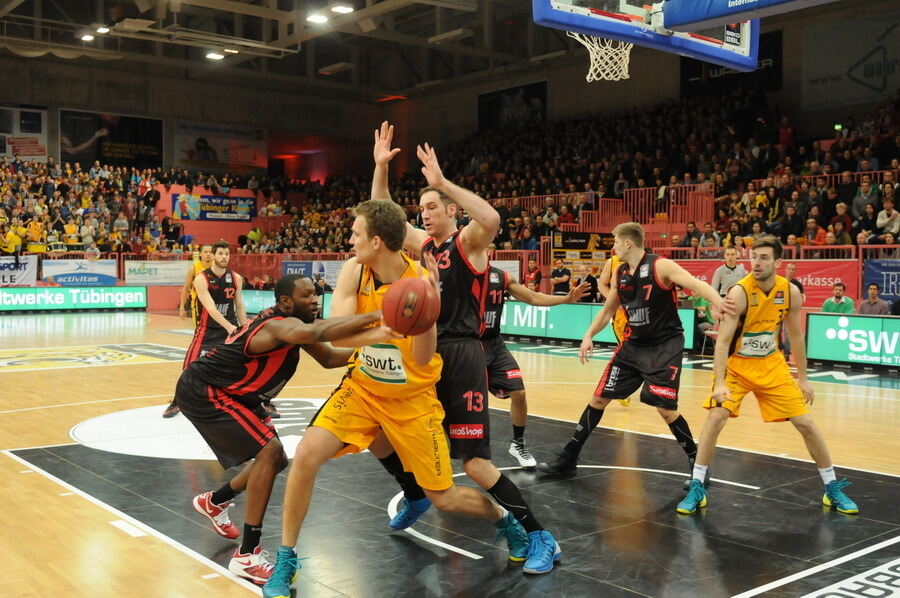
[{"x": 641, "y": 22}]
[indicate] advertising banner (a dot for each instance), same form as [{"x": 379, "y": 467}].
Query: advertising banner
[
  {"x": 221, "y": 148},
  {"x": 704, "y": 78},
  {"x": 53, "y": 298},
  {"x": 510, "y": 266},
  {"x": 582, "y": 252},
  {"x": 817, "y": 276},
  {"x": 237, "y": 205},
  {"x": 80, "y": 273},
  {"x": 569, "y": 322},
  {"x": 869, "y": 340},
  {"x": 23, "y": 131},
  {"x": 156, "y": 273},
  {"x": 113, "y": 139},
  {"x": 886, "y": 274},
  {"x": 857, "y": 65},
  {"x": 256, "y": 301},
  {"x": 304, "y": 268},
  {"x": 16, "y": 275}
]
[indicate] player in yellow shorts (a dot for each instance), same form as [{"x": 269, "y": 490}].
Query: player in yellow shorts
[
  {"x": 621, "y": 317},
  {"x": 747, "y": 359},
  {"x": 387, "y": 398}
]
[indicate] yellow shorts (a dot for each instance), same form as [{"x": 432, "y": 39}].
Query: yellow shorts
[
  {"x": 412, "y": 424},
  {"x": 771, "y": 382},
  {"x": 620, "y": 319}
]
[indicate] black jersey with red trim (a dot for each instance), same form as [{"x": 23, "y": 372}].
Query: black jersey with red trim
[
  {"x": 498, "y": 282},
  {"x": 231, "y": 367},
  {"x": 222, "y": 290},
  {"x": 652, "y": 308},
  {"x": 463, "y": 290}
]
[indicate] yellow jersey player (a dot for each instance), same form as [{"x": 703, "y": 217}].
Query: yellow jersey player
[
  {"x": 604, "y": 284},
  {"x": 387, "y": 398},
  {"x": 747, "y": 359}
]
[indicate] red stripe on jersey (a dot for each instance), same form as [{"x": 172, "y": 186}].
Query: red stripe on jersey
[
  {"x": 465, "y": 258},
  {"x": 218, "y": 404},
  {"x": 252, "y": 367},
  {"x": 273, "y": 363},
  {"x": 194, "y": 348},
  {"x": 480, "y": 291},
  {"x": 252, "y": 334},
  {"x": 249, "y": 416}
]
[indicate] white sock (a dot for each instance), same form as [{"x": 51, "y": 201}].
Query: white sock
[
  {"x": 700, "y": 472},
  {"x": 827, "y": 474}
]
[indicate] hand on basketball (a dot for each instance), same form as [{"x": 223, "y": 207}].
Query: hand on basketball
[
  {"x": 721, "y": 394},
  {"x": 382, "y": 151},
  {"x": 585, "y": 350},
  {"x": 383, "y": 333},
  {"x": 809, "y": 395},
  {"x": 578, "y": 293},
  {"x": 431, "y": 169}
]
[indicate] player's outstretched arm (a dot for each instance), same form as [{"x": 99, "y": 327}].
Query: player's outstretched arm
[
  {"x": 526, "y": 295},
  {"x": 186, "y": 291},
  {"x": 485, "y": 221},
  {"x": 672, "y": 273},
  {"x": 798, "y": 343},
  {"x": 294, "y": 332},
  {"x": 328, "y": 356}
]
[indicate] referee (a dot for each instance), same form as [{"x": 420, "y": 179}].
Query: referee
[{"x": 727, "y": 275}]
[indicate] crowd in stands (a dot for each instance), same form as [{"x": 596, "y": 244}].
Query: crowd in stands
[{"x": 763, "y": 178}]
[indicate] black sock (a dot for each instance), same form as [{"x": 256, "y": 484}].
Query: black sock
[
  {"x": 510, "y": 498},
  {"x": 407, "y": 481},
  {"x": 251, "y": 537},
  {"x": 518, "y": 432},
  {"x": 682, "y": 433},
  {"x": 589, "y": 419},
  {"x": 223, "y": 494}
]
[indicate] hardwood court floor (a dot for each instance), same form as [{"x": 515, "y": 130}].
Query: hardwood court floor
[{"x": 58, "y": 537}]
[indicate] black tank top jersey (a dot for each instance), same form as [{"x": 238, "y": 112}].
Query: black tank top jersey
[
  {"x": 652, "y": 308},
  {"x": 230, "y": 367},
  {"x": 222, "y": 290},
  {"x": 498, "y": 282},
  {"x": 463, "y": 290}
]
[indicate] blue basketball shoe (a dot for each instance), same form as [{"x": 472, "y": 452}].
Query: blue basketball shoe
[
  {"x": 695, "y": 499},
  {"x": 543, "y": 552},
  {"x": 287, "y": 570},
  {"x": 836, "y": 499},
  {"x": 516, "y": 538},
  {"x": 409, "y": 513}
]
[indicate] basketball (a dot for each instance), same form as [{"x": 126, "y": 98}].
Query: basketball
[{"x": 411, "y": 306}]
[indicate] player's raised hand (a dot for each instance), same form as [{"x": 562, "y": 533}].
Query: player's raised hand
[
  {"x": 576, "y": 294},
  {"x": 382, "y": 151},
  {"x": 585, "y": 350},
  {"x": 430, "y": 166},
  {"x": 809, "y": 395}
]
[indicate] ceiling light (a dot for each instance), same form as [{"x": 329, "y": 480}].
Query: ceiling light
[
  {"x": 214, "y": 55},
  {"x": 317, "y": 19},
  {"x": 342, "y": 9},
  {"x": 87, "y": 37},
  {"x": 337, "y": 67},
  {"x": 230, "y": 51},
  {"x": 103, "y": 29}
]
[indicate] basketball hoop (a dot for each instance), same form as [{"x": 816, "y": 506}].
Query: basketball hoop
[{"x": 609, "y": 57}]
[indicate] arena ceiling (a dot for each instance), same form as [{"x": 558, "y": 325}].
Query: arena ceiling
[{"x": 379, "y": 50}]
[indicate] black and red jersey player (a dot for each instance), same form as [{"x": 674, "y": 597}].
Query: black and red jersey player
[
  {"x": 505, "y": 379},
  {"x": 462, "y": 260},
  {"x": 650, "y": 354},
  {"x": 222, "y": 395}
]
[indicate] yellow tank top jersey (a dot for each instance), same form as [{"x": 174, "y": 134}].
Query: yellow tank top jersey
[
  {"x": 388, "y": 369},
  {"x": 195, "y": 309},
  {"x": 620, "y": 319},
  {"x": 757, "y": 337}
]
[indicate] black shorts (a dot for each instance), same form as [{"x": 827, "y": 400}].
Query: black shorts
[
  {"x": 234, "y": 430},
  {"x": 657, "y": 367},
  {"x": 504, "y": 375},
  {"x": 463, "y": 392},
  {"x": 204, "y": 340}
]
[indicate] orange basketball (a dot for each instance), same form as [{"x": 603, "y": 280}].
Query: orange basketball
[{"x": 411, "y": 306}]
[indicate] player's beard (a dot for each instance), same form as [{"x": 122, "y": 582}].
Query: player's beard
[{"x": 306, "y": 316}]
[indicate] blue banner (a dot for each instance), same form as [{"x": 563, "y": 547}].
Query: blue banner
[
  {"x": 886, "y": 274},
  {"x": 186, "y": 206},
  {"x": 304, "y": 268},
  {"x": 79, "y": 273}
]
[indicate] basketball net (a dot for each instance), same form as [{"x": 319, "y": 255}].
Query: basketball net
[{"x": 609, "y": 57}]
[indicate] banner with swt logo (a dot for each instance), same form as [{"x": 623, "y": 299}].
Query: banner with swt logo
[
  {"x": 817, "y": 276},
  {"x": 870, "y": 340}
]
